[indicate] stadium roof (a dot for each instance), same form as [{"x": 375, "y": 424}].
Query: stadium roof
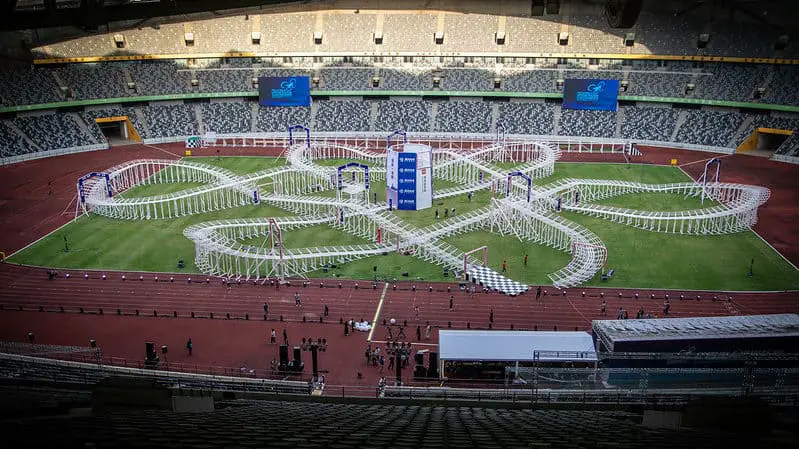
[
  {"x": 753, "y": 326},
  {"x": 516, "y": 346}
]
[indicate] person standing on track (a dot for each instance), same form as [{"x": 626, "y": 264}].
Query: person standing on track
[
  {"x": 451, "y": 302},
  {"x": 538, "y": 293},
  {"x": 504, "y": 266},
  {"x": 189, "y": 346},
  {"x": 273, "y": 337},
  {"x": 427, "y": 332}
]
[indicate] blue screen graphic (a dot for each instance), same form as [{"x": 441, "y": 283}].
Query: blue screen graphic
[
  {"x": 597, "y": 95},
  {"x": 284, "y": 91},
  {"x": 406, "y": 181}
]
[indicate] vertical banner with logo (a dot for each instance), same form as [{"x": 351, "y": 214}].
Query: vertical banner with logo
[
  {"x": 406, "y": 181},
  {"x": 424, "y": 178},
  {"x": 284, "y": 91},
  {"x": 391, "y": 178}
]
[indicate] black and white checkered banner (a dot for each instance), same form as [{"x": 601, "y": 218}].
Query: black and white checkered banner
[
  {"x": 491, "y": 279},
  {"x": 193, "y": 142}
]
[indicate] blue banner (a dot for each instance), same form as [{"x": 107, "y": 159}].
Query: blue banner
[
  {"x": 406, "y": 181},
  {"x": 598, "y": 95},
  {"x": 284, "y": 91}
]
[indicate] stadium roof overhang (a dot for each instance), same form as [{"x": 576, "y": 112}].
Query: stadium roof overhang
[{"x": 33, "y": 14}]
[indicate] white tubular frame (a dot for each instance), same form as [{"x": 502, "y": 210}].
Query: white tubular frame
[{"x": 466, "y": 160}]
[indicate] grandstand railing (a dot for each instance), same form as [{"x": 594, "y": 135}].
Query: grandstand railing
[
  {"x": 551, "y": 385},
  {"x": 567, "y": 143}
]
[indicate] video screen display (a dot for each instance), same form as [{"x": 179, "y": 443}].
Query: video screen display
[
  {"x": 597, "y": 95},
  {"x": 284, "y": 91}
]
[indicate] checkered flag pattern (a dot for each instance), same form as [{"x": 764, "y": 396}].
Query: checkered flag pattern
[
  {"x": 192, "y": 142},
  {"x": 495, "y": 281}
]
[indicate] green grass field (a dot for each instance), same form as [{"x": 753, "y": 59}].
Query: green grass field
[{"x": 640, "y": 258}]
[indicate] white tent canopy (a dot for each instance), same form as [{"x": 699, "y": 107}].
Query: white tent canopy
[{"x": 516, "y": 346}]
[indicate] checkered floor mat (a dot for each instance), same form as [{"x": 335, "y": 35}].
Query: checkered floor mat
[{"x": 495, "y": 281}]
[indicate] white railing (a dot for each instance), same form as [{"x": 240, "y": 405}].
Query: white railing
[{"x": 573, "y": 144}]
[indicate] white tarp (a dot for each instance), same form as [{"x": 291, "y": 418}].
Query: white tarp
[{"x": 516, "y": 346}]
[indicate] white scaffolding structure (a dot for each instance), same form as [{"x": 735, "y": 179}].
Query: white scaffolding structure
[{"x": 471, "y": 163}]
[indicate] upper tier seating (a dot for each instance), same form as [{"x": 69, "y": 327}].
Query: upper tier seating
[
  {"x": 95, "y": 81},
  {"x": 782, "y": 89},
  {"x": 159, "y": 78},
  {"x": 730, "y": 82},
  {"x": 463, "y": 79},
  {"x": 32, "y": 86},
  {"x": 346, "y": 79}
]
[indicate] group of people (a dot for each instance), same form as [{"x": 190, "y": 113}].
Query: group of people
[
  {"x": 395, "y": 352},
  {"x": 641, "y": 314},
  {"x": 447, "y": 213}
]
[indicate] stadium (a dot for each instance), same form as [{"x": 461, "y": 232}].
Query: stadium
[{"x": 546, "y": 223}]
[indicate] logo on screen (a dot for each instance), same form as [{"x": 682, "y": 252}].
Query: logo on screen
[
  {"x": 286, "y": 89},
  {"x": 596, "y": 87},
  {"x": 591, "y": 92}
]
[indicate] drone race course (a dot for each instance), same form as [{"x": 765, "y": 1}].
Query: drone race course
[{"x": 334, "y": 206}]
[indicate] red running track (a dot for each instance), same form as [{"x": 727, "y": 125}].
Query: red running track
[{"x": 238, "y": 342}]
